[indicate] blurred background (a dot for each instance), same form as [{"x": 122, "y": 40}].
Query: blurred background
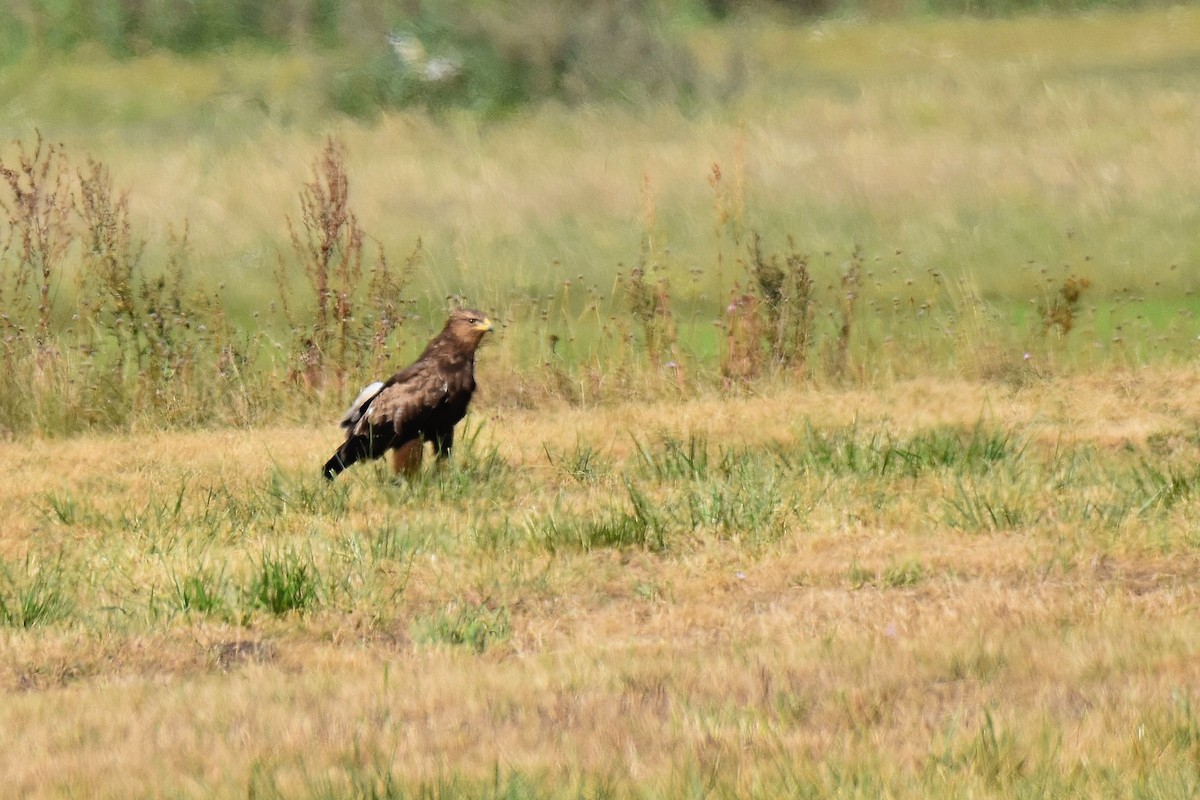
[{"x": 846, "y": 190}]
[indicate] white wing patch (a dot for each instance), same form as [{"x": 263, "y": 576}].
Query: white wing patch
[
  {"x": 373, "y": 414},
  {"x": 360, "y": 404}
]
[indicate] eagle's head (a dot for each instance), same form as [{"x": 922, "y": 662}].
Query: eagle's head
[{"x": 467, "y": 327}]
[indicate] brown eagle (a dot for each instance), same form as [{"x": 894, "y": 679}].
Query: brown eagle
[{"x": 420, "y": 403}]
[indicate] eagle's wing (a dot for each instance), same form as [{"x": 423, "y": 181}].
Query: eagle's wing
[
  {"x": 403, "y": 401},
  {"x": 354, "y": 414}
]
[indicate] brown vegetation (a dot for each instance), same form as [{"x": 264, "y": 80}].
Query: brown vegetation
[{"x": 867, "y": 627}]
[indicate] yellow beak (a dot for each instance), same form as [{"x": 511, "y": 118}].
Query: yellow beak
[{"x": 484, "y": 325}]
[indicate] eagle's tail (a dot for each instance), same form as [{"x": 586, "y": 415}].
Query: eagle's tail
[{"x": 354, "y": 449}]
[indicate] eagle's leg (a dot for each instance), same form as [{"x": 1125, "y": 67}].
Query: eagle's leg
[
  {"x": 443, "y": 443},
  {"x": 406, "y": 459}
]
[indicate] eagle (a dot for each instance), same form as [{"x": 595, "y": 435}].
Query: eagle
[{"x": 420, "y": 403}]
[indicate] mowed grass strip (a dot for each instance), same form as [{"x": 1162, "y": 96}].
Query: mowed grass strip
[{"x": 934, "y": 589}]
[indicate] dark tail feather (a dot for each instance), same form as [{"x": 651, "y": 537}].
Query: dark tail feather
[{"x": 346, "y": 455}]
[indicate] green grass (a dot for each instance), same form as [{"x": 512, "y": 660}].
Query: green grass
[
  {"x": 199, "y": 590},
  {"x": 283, "y": 581},
  {"x": 35, "y": 593},
  {"x": 263, "y": 547},
  {"x": 476, "y": 628}
]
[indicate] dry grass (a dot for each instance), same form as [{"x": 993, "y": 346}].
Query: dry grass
[{"x": 863, "y": 640}]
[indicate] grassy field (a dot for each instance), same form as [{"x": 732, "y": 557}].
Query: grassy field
[
  {"x": 975, "y": 168},
  {"x": 903, "y": 506},
  {"x": 943, "y": 589}
]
